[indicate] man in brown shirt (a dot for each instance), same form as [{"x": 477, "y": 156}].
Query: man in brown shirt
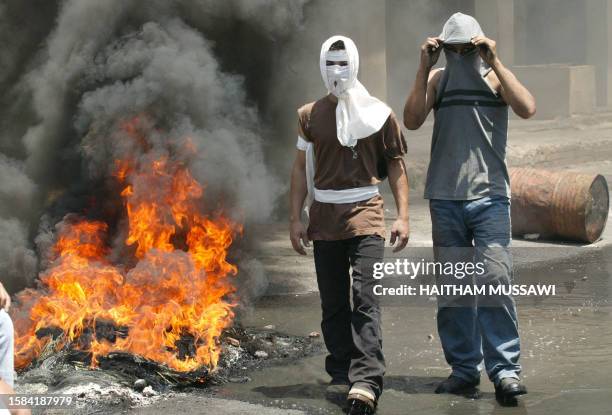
[{"x": 348, "y": 143}]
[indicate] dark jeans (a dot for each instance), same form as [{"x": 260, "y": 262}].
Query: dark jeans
[{"x": 352, "y": 335}]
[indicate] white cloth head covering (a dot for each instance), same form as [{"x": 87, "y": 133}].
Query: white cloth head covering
[
  {"x": 460, "y": 28},
  {"x": 358, "y": 114}
]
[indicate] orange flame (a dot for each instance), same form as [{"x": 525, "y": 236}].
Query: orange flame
[{"x": 178, "y": 287}]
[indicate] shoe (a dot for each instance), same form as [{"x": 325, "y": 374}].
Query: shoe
[
  {"x": 508, "y": 389},
  {"x": 457, "y": 386},
  {"x": 358, "y": 404},
  {"x": 337, "y": 390}
]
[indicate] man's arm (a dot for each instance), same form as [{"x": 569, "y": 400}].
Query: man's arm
[
  {"x": 423, "y": 93},
  {"x": 297, "y": 195},
  {"x": 398, "y": 180},
  {"x": 5, "y": 299},
  {"x": 512, "y": 91}
]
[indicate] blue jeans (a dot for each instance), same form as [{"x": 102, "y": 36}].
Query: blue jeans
[{"x": 471, "y": 328}]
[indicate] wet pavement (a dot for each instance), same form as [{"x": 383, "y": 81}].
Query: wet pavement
[{"x": 566, "y": 350}]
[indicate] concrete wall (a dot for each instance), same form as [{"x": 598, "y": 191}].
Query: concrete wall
[
  {"x": 550, "y": 31},
  {"x": 558, "y": 37},
  {"x": 574, "y": 32},
  {"x": 608, "y": 51},
  {"x": 388, "y": 34},
  {"x": 496, "y": 17},
  {"x": 559, "y": 89},
  {"x": 597, "y": 46},
  {"x": 582, "y": 87}
]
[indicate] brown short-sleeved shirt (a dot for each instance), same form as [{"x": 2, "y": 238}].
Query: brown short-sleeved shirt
[{"x": 336, "y": 169}]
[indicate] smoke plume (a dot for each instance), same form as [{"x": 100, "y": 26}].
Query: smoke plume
[{"x": 170, "y": 69}]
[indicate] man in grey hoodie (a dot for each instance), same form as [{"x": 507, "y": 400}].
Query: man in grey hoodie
[{"x": 469, "y": 192}]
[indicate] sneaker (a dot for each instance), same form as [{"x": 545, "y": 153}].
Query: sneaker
[{"x": 457, "y": 386}]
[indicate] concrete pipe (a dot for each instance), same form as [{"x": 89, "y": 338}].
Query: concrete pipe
[{"x": 558, "y": 204}]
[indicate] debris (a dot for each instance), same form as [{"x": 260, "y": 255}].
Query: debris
[
  {"x": 149, "y": 391},
  {"x": 116, "y": 380},
  {"x": 430, "y": 337},
  {"x": 239, "y": 379},
  {"x": 233, "y": 342},
  {"x": 139, "y": 385},
  {"x": 141, "y": 368},
  {"x": 585, "y": 278},
  {"x": 270, "y": 327},
  {"x": 314, "y": 334},
  {"x": 531, "y": 236}
]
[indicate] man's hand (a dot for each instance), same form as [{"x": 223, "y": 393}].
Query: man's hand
[
  {"x": 430, "y": 52},
  {"x": 487, "y": 49},
  {"x": 400, "y": 232},
  {"x": 5, "y": 299},
  {"x": 299, "y": 237}
]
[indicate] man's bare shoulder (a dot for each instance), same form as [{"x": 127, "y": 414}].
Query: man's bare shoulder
[
  {"x": 434, "y": 76},
  {"x": 493, "y": 80}
]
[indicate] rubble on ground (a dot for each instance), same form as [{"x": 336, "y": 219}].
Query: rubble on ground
[{"x": 124, "y": 381}]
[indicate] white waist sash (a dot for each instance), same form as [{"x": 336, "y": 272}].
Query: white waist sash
[{"x": 355, "y": 194}]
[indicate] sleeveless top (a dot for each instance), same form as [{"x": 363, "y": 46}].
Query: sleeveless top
[{"x": 468, "y": 146}]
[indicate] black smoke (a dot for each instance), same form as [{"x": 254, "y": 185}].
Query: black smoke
[{"x": 72, "y": 71}]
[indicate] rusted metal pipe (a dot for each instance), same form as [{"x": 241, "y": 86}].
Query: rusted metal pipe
[{"x": 558, "y": 204}]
